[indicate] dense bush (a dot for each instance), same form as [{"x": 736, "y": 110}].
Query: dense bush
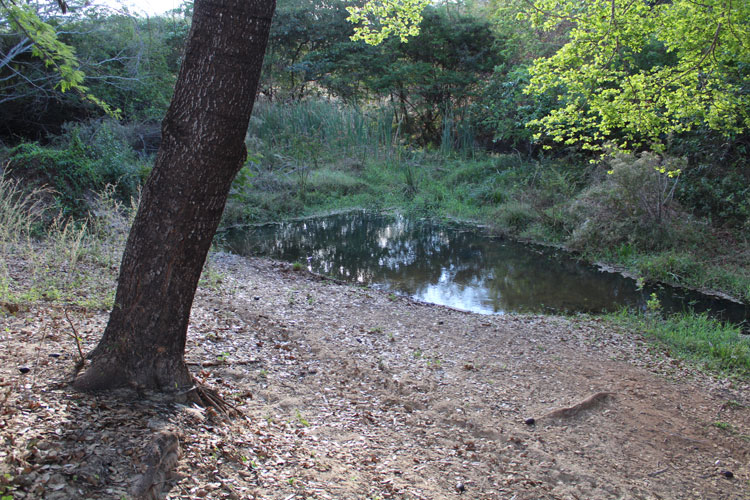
[
  {"x": 632, "y": 204},
  {"x": 83, "y": 161}
]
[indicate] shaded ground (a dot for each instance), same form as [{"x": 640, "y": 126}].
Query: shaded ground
[{"x": 349, "y": 393}]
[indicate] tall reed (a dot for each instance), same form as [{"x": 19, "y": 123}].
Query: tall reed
[{"x": 285, "y": 128}]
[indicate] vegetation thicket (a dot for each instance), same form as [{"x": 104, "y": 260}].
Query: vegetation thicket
[{"x": 616, "y": 129}]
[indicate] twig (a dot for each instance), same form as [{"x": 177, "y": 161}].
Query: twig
[
  {"x": 207, "y": 364},
  {"x": 658, "y": 472},
  {"x": 38, "y": 351},
  {"x": 82, "y": 359}
]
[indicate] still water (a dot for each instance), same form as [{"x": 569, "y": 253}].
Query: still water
[{"x": 459, "y": 267}]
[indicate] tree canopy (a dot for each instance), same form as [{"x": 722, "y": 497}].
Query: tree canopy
[{"x": 634, "y": 72}]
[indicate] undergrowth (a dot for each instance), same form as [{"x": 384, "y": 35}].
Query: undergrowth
[
  {"x": 314, "y": 158},
  {"x": 715, "y": 346},
  {"x": 55, "y": 258},
  {"x": 47, "y": 257}
]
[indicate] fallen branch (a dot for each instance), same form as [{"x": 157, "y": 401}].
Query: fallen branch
[{"x": 207, "y": 364}]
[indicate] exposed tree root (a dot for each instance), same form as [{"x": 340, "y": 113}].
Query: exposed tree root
[
  {"x": 211, "y": 399},
  {"x": 572, "y": 411}
]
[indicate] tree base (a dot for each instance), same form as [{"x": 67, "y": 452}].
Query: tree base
[
  {"x": 105, "y": 375},
  {"x": 158, "y": 374}
]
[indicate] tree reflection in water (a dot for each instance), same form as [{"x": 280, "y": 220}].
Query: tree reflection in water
[{"x": 458, "y": 266}]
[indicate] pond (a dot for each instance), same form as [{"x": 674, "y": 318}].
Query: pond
[{"x": 460, "y": 267}]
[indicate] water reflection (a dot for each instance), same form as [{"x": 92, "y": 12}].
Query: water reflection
[{"x": 457, "y": 267}]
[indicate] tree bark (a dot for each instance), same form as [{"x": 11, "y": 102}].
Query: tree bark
[{"x": 202, "y": 149}]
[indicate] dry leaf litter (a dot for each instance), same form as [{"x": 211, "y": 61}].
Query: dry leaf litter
[{"x": 346, "y": 392}]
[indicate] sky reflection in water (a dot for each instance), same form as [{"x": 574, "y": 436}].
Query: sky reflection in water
[{"x": 457, "y": 267}]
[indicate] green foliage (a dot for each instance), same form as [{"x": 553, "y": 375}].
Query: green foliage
[
  {"x": 379, "y": 19},
  {"x": 634, "y": 73},
  {"x": 718, "y": 190},
  {"x": 47, "y": 47},
  {"x": 83, "y": 161},
  {"x": 130, "y": 63},
  {"x": 502, "y": 109},
  {"x": 717, "y": 347},
  {"x": 631, "y": 204}
]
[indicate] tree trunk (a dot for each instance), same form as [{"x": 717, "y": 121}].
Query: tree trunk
[{"x": 202, "y": 149}]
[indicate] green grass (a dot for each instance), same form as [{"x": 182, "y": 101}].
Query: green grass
[
  {"x": 714, "y": 346},
  {"x": 354, "y": 158},
  {"x": 45, "y": 257},
  {"x": 697, "y": 267}
]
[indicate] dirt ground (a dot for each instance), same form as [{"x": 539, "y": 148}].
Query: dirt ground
[{"x": 352, "y": 393}]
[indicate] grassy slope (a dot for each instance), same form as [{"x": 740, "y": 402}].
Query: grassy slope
[{"x": 527, "y": 200}]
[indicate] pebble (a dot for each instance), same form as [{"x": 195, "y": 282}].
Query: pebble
[
  {"x": 529, "y": 421},
  {"x": 24, "y": 369},
  {"x": 727, "y": 474},
  {"x": 460, "y": 487}
]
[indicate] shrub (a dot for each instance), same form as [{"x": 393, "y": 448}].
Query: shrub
[
  {"x": 83, "y": 161},
  {"x": 515, "y": 215},
  {"x": 632, "y": 204}
]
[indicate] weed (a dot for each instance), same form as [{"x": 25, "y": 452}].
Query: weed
[
  {"x": 716, "y": 346},
  {"x": 435, "y": 363},
  {"x": 63, "y": 260},
  {"x": 722, "y": 425},
  {"x": 653, "y": 304},
  {"x": 302, "y": 420},
  {"x": 734, "y": 405},
  {"x": 417, "y": 354},
  {"x": 211, "y": 278},
  {"x": 297, "y": 266}
]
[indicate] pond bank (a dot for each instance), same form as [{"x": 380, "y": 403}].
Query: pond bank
[
  {"x": 351, "y": 393},
  {"x": 463, "y": 266}
]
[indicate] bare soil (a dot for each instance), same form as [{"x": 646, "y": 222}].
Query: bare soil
[{"x": 351, "y": 393}]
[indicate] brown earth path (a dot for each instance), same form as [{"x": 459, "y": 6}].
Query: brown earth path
[{"x": 349, "y": 393}]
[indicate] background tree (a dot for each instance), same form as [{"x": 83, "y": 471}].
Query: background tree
[
  {"x": 202, "y": 149},
  {"x": 126, "y": 62},
  {"x": 431, "y": 78}
]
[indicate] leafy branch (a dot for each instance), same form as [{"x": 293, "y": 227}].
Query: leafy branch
[{"x": 53, "y": 52}]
